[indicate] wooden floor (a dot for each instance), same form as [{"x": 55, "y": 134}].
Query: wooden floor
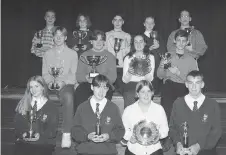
[{"x": 10, "y": 97}]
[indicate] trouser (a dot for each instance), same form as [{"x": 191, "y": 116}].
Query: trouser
[
  {"x": 119, "y": 83},
  {"x": 22, "y": 148},
  {"x": 129, "y": 93},
  {"x": 66, "y": 95},
  {"x": 158, "y": 152},
  {"x": 83, "y": 92},
  {"x": 169, "y": 93}
]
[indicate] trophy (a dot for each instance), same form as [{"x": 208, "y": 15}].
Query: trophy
[
  {"x": 32, "y": 118},
  {"x": 166, "y": 58},
  {"x": 39, "y": 35},
  {"x": 154, "y": 34},
  {"x": 117, "y": 47},
  {"x": 98, "y": 125},
  {"x": 140, "y": 66},
  {"x": 189, "y": 31},
  {"x": 93, "y": 61},
  {"x": 146, "y": 133},
  {"x": 55, "y": 72},
  {"x": 80, "y": 35},
  {"x": 185, "y": 136}
]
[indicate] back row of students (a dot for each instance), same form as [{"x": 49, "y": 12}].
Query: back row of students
[{"x": 97, "y": 125}]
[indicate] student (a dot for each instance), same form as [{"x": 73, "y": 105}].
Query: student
[
  {"x": 107, "y": 68},
  {"x": 66, "y": 60},
  {"x": 83, "y": 24},
  {"x": 196, "y": 46},
  {"x": 156, "y": 47},
  {"x": 42, "y": 42},
  {"x": 97, "y": 109},
  {"x": 46, "y": 120},
  {"x": 131, "y": 79},
  {"x": 144, "y": 109},
  {"x": 111, "y": 36},
  {"x": 202, "y": 115},
  {"x": 174, "y": 76}
]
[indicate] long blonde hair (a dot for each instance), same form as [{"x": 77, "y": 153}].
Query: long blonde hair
[{"x": 24, "y": 104}]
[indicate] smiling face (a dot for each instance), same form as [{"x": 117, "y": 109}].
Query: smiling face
[
  {"x": 149, "y": 24},
  {"x": 139, "y": 43},
  {"x": 36, "y": 89},
  {"x": 82, "y": 22},
  {"x": 181, "y": 42},
  {"x": 194, "y": 85},
  {"x": 117, "y": 22},
  {"x": 100, "y": 91},
  {"x": 185, "y": 18},
  {"x": 98, "y": 44},
  {"x": 145, "y": 95},
  {"x": 59, "y": 38},
  {"x": 50, "y": 18}
]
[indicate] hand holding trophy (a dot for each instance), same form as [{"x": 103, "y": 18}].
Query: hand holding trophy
[
  {"x": 80, "y": 35},
  {"x": 93, "y": 61},
  {"x": 39, "y": 35},
  {"x": 117, "y": 47},
  {"x": 189, "y": 31},
  {"x": 55, "y": 72},
  {"x": 165, "y": 58}
]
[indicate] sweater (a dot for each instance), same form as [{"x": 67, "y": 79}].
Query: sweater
[
  {"x": 204, "y": 126},
  {"x": 84, "y": 123},
  {"x": 125, "y": 46},
  {"x": 46, "y": 124},
  {"x": 108, "y": 68},
  {"x": 185, "y": 64},
  {"x": 67, "y": 60},
  {"x": 197, "y": 41}
]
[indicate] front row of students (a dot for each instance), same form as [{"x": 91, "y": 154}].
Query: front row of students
[{"x": 203, "y": 119}]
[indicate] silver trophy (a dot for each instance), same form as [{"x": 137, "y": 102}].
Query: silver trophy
[
  {"x": 185, "y": 135},
  {"x": 140, "y": 66},
  {"x": 55, "y": 72},
  {"x": 39, "y": 35},
  {"x": 93, "y": 61},
  {"x": 189, "y": 31},
  {"x": 98, "y": 125},
  {"x": 30, "y": 134},
  {"x": 117, "y": 47},
  {"x": 146, "y": 133},
  {"x": 80, "y": 35},
  {"x": 154, "y": 34},
  {"x": 166, "y": 58}
]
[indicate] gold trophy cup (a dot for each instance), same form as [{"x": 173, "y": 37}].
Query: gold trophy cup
[{"x": 80, "y": 35}]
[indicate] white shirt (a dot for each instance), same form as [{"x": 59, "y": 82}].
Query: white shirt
[
  {"x": 133, "y": 114},
  {"x": 40, "y": 102},
  {"x": 147, "y": 33},
  {"x": 102, "y": 103},
  {"x": 134, "y": 78},
  {"x": 190, "y": 101}
]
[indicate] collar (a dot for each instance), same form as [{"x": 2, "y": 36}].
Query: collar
[
  {"x": 40, "y": 102},
  {"x": 93, "y": 103},
  {"x": 147, "y": 33},
  {"x": 190, "y": 100}
]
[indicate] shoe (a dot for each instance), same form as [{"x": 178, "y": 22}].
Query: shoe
[{"x": 66, "y": 140}]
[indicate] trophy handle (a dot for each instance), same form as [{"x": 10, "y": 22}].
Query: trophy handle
[
  {"x": 84, "y": 60},
  {"x": 84, "y": 34},
  {"x": 103, "y": 59},
  {"x": 75, "y": 34}
]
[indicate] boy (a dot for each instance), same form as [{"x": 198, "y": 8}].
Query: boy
[
  {"x": 202, "y": 115},
  {"x": 66, "y": 59},
  {"x": 174, "y": 76},
  {"x": 97, "y": 109},
  {"x": 117, "y": 32},
  {"x": 107, "y": 68}
]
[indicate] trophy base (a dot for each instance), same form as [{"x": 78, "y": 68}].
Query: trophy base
[
  {"x": 54, "y": 86},
  {"x": 117, "y": 62},
  {"x": 39, "y": 45},
  {"x": 80, "y": 46},
  {"x": 29, "y": 135},
  {"x": 92, "y": 75},
  {"x": 98, "y": 130}
]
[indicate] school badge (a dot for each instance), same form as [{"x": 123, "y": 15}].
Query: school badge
[
  {"x": 108, "y": 120},
  {"x": 205, "y": 117}
]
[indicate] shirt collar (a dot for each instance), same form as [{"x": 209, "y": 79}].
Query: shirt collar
[{"x": 147, "y": 33}]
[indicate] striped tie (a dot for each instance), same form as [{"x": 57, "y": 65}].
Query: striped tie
[
  {"x": 195, "y": 108},
  {"x": 34, "y": 108}
]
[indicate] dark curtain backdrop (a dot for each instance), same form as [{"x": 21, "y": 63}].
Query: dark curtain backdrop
[{"x": 20, "y": 20}]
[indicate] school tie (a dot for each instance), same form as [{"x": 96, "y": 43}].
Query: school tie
[
  {"x": 35, "y": 106},
  {"x": 195, "y": 108},
  {"x": 97, "y": 109}
]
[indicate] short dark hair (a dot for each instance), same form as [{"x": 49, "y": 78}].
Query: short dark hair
[
  {"x": 97, "y": 33},
  {"x": 141, "y": 84},
  {"x": 61, "y": 29},
  {"x": 50, "y": 10},
  {"x": 87, "y": 19},
  {"x": 97, "y": 80},
  {"x": 196, "y": 73},
  {"x": 181, "y": 33}
]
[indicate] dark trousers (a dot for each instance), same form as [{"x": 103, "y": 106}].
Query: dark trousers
[
  {"x": 158, "y": 152},
  {"x": 119, "y": 83},
  {"x": 33, "y": 149},
  {"x": 83, "y": 92},
  {"x": 129, "y": 93},
  {"x": 66, "y": 95},
  {"x": 169, "y": 93}
]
